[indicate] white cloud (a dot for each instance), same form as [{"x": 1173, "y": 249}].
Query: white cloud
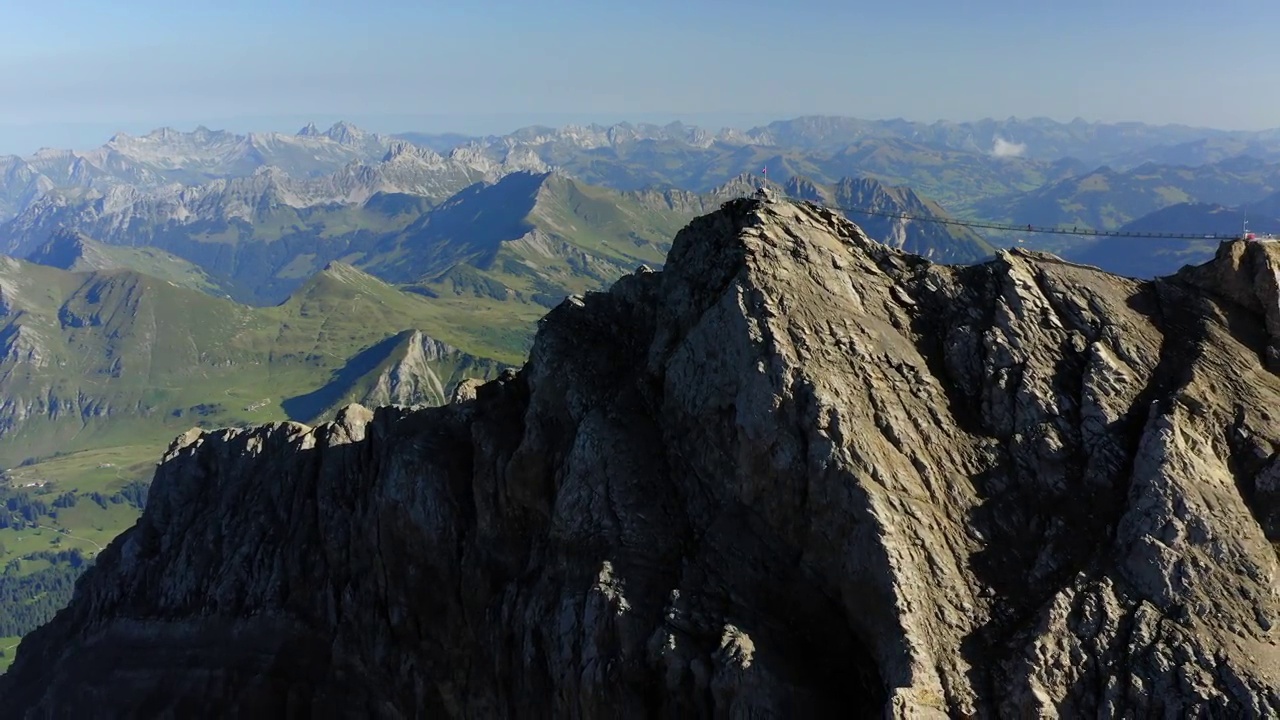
[{"x": 1004, "y": 148}]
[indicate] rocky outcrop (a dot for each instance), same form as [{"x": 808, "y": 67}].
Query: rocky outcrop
[
  {"x": 795, "y": 474},
  {"x": 1247, "y": 273},
  {"x": 893, "y": 215},
  {"x": 425, "y": 371}
]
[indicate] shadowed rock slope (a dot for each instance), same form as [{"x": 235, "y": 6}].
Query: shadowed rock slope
[{"x": 796, "y": 473}]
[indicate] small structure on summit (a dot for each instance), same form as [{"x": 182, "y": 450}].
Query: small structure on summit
[
  {"x": 764, "y": 194},
  {"x": 1246, "y": 235}
]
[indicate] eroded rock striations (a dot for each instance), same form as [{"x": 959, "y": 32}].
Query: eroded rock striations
[{"x": 795, "y": 474}]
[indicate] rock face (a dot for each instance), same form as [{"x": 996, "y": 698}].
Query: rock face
[
  {"x": 1249, "y": 274},
  {"x": 795, "y": 474},
  {"x": 419, "y": 374},
  {"x": 876, "y": 208},
  {"x": 890, "y": 214}
]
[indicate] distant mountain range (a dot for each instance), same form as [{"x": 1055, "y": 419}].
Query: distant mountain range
[
  {"x": 259, "y": 237},
  {"x": 628, "y": 157},
  {"x": 258, "y": 213},
  {"x": 489, "y": 232},
  {"x": 208, "y": 278},
  {"x": 310, "y": 166},
  {"x": 146, "y": 288},
  {"x": 167, "y": 156},
  {"x": 414, "y": 216},
  {"x": 1122, "y": 145},
  {"x": 521, "y": 220},
  {"x": 1107, "y": 198},
  {"x": 955, "y": 163},
  {"x": 1147, "y": 257}
]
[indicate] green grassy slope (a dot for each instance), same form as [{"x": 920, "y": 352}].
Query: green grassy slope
[
  {"x": 256, "y": 258},
  {"x": 262, "y": 261},
  {"x": 8, "y": 646},
  {"x": 70, "y": 250},
  {"x": 100, "y": 370},
  {"x": 1107, "y": 199},
  {"x": 521, "y": 245},
  {"x": 113, "y": 358},
  {"x": 955, "y": 178},
  {"x": 405, "y": 239},
  {"x": 128, "y": 361},
  {"x": 55, "y": 517},
  {"x": 587, "y": 238},
  {"x": 106, "y": 472}
]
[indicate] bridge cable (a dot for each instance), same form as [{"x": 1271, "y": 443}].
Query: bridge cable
[{"x": 1040, "y": 229}]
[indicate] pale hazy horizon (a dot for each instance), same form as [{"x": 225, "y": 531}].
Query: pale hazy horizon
[{"x": 73, "y": 72}]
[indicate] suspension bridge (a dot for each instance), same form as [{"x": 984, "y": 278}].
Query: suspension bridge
[
  {"x": 1041, "y": 229},
  {"x": 1045, "y": 230}
]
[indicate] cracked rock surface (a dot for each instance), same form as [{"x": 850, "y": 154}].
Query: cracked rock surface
[{"x": 795, "y": 474}]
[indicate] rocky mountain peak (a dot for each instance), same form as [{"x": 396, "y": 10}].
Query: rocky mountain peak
[
  {"x": 64, "y": 249},
  {"x": 861, "y": 185},
  {"x": 802, "y": 188},
  {"x": 310, "y": 130},
  {"x": 345, "y": 272},
  {"x": 267, "y": 171},
  {"x": 744, "y": 184},
  {"x": 345, "y": 133},
  {"x": 795, "y": 473},
  {"x": 1249, "y": 274},
  {"x": 163, "y": 133},
  {"x": 397, "y": 149},
  {"x": 892, "y": 214},
  {"x": 402, "y": 149}
]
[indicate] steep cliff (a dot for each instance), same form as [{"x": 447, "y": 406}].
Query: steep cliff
[{"x": 796, "y": 473}]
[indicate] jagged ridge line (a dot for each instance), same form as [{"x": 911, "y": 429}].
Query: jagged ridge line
[{"x": 1028, "y": 228}]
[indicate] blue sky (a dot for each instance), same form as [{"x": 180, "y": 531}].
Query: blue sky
[{"x": 74, "y": 71}]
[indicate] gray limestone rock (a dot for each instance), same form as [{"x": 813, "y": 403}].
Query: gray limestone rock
[{"x": 794, "y": 474}]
